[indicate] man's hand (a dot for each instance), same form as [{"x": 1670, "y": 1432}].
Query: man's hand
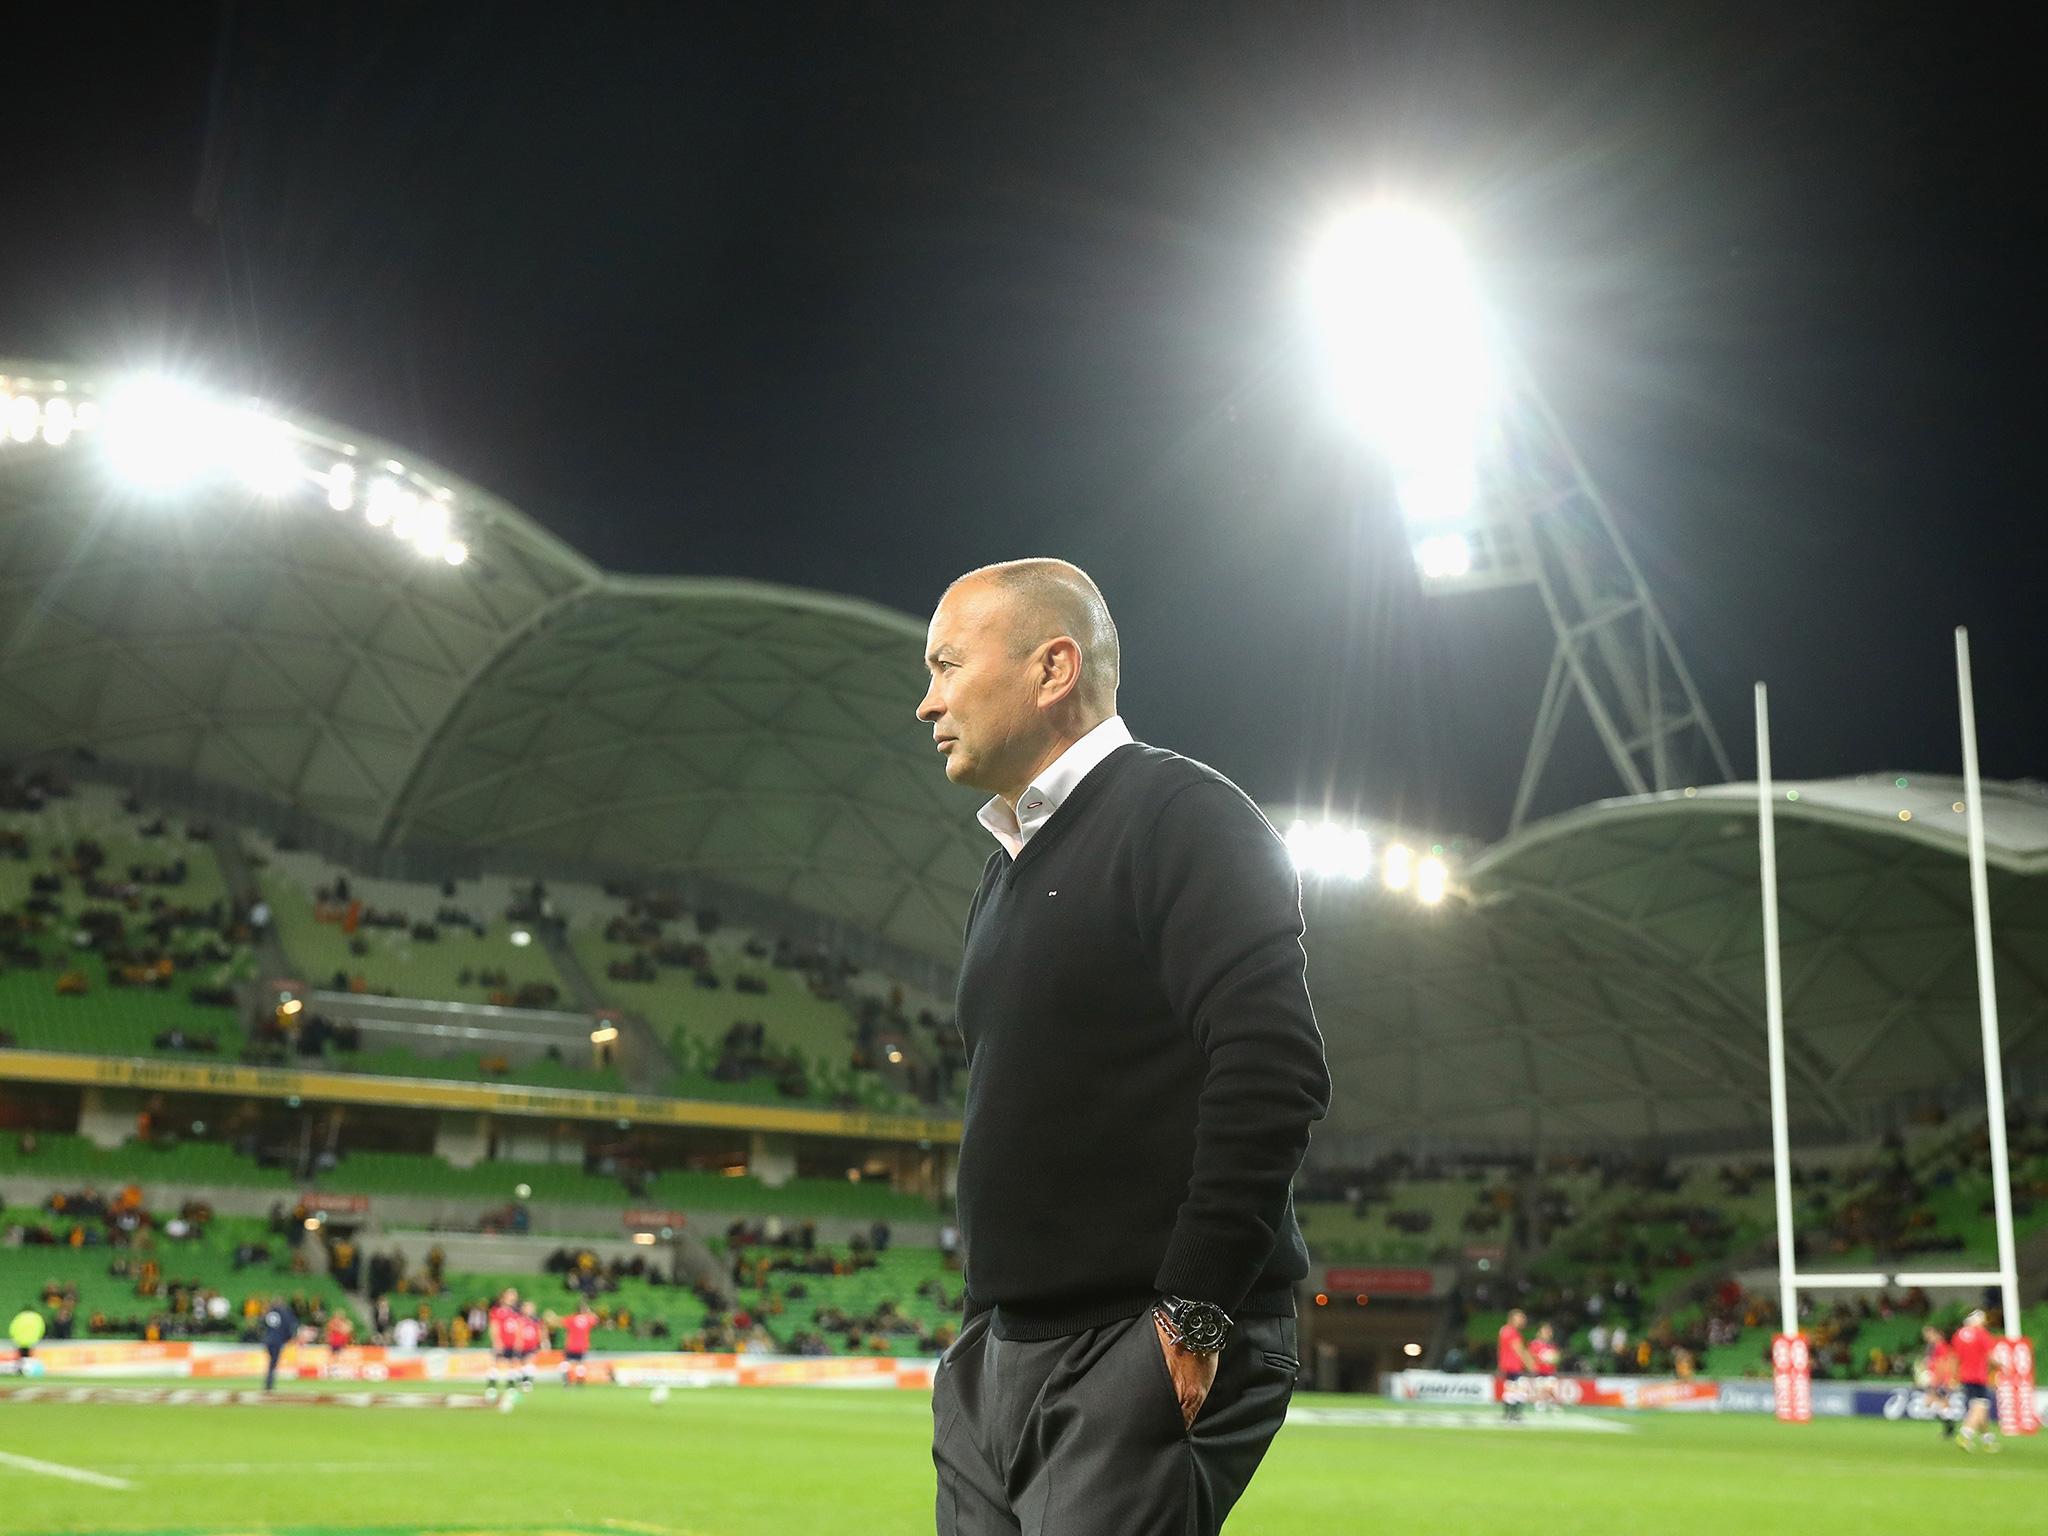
[{"x": 1193, "y": 1375}]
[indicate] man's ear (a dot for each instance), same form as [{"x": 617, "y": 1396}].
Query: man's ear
[{"x": 1059, "y": 670}]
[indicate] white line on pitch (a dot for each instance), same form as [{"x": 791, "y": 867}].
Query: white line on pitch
[
  {"x": 208, "y": 1469},
  {"x": 54, "y": 1469}
]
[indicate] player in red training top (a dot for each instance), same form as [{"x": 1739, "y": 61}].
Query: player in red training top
[
  {"x": 575, "y": 1342},
  {"x": 1545, "y": 1354},
  {"x": 1973, "y": 1345},
  {"x": 504, "y": 1326},
  {"x": 1513, "y": 1363},
  {"x": 533, "y": 1335},
  {"x": 339, "y": 1332},
  {"x": 1937, "y": 1378}
]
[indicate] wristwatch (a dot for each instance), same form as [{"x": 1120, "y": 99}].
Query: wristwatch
[{"x": 1199, "y": 1327}]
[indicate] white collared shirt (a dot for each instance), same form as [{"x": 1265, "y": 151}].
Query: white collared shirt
[{"x": 1045, "y": 794}]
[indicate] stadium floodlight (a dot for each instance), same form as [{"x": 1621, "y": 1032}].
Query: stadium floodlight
[
  {"x": 1491, "y": 492},
  {"x": 1432, "y": 880},
  {"x": 429, "y": 529},
  {"x": 1330, "y": 851},
  {"x": 24, "y": 418},
  {"x": 455, "y": 552},
  {"x": 160, "y": 435},
  {"x": 388, "y": 503},
  {"x": 1398, "y": 868},
  {"x": 1403, "y": 330},
  {"x": 1444, "y": 554},
  {"x": 341, "y": 486},
  {"x": 59, "y": 421}
]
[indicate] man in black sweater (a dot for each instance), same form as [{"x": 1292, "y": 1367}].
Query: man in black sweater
[{"x": 1143, "y": 1069}]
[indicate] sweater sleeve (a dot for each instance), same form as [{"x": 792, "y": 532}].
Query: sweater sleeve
[{"x": 1221, "y": 905}]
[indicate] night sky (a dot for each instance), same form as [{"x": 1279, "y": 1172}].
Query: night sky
[{"x": 859, "y": 297}]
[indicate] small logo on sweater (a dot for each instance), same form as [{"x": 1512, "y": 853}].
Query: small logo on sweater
[{"x": 1052, "y": 893}]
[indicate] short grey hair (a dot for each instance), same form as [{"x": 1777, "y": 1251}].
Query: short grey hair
[{"x": 1048, "y": 598}]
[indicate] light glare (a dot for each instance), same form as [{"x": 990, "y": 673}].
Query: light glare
[
  {"x": 1432, "y": 880},
  {"x": 259, "y": 453},
  {"x": 160, "y": 435},
  {"x": 1444, "y": 555},
  {"x": 341, "y": 486},
  {"x": 1329, "y": 850},
  {"x": 22, "y": 412},
  {"x": 1399, "y": 868},
  {"x": 1404, "y": 332},
  {"x": 57, "y": 421}
]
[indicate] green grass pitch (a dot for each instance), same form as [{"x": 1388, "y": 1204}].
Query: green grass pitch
[{"x": 759, "y": 1462}]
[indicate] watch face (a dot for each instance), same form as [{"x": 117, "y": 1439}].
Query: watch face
[{"x": 1203, "y": 1327}]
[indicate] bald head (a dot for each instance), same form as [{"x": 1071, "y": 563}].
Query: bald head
[
  {"x": 1045, "y": 599},
  {"x": 1023, "y": 664}
]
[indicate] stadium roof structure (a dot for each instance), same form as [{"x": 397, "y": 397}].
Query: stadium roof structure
[
  {"x": 525, "y": 701},
  {"x": 1598, "y": 978}
]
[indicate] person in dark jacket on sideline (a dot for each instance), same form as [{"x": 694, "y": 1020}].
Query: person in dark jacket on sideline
[{"x": 1143, "y": 1069}]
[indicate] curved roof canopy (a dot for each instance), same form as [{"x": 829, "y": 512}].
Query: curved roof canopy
[
  {"x": 1596, "y": 978},
  {"x": 1600, "y": 976},
  {"x": 283, "y": 641}
]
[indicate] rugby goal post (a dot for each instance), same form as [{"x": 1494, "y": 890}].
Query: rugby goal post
[{"x": 1790, "y": 1281}]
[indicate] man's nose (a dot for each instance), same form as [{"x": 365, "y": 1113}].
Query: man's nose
[{"x": 930, "y": 709}]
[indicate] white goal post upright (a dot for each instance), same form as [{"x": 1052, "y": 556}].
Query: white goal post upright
[
  {"x": 1790, "y": 1281},
  {"x": 1987, "y": 996},
  {"x": 1774, "y": 1016}
]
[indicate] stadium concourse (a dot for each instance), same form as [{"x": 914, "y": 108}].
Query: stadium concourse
[{"x": 370, "y": 858}]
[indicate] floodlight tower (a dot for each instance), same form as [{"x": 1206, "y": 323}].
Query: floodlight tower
[{"x": 1494, "y": 495}]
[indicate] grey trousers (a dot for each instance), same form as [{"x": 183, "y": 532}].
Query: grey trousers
[{"x": 1083, "y": 1436}]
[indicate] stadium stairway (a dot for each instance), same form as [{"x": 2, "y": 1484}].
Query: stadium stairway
[
  {"x": 642, "y": 1057},
  {"x": 241, "y": 883}
]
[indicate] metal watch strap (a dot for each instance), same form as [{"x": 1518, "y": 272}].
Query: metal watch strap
[{"x": 1198, "y": 1327}]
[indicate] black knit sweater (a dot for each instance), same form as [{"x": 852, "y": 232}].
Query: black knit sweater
[{"x": 1144, "y": 1064}]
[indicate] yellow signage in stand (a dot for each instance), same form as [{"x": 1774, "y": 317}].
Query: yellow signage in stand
[{"x": 484, "y": 1098}]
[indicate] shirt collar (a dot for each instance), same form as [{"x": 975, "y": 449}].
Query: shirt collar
[{"x": 1046, "y": 793}]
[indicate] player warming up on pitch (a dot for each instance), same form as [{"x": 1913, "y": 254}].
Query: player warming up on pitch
[
  {"x": 575, "y": 1342},
  {"x": 1513, "y": 1363},
  {"x": 533, "y": 1334},
  {"x": 1545, "y": 1353},
  {"x": 1937, "y": 1377},
  {"x": 1143, "y": 1067},
  {"x": 504, "y": 1330},
  {"x": 1973, "y": 1344}
]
